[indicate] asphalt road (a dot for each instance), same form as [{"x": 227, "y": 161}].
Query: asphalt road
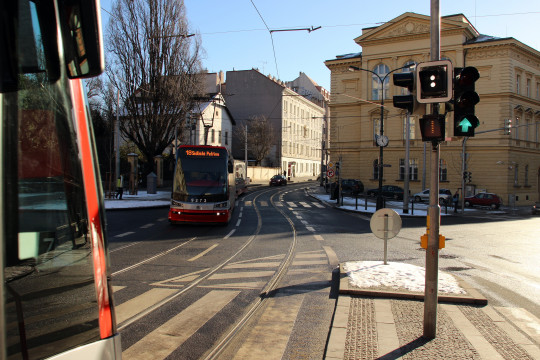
[{"x": 181, "y": 290}]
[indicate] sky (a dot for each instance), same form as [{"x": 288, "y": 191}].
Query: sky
[{"x": 235, "y": 33}]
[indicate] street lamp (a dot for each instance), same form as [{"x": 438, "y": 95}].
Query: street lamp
[{"x": 382, "y": 141}]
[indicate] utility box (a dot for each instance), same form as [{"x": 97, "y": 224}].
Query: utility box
[{"x": 151, "y": 183}]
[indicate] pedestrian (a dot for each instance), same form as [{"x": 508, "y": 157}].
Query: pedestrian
[
  {"x": 120, "y": 187},
  {"x": 455, "y": 199}
]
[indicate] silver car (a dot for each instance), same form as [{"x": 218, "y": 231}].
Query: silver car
[{"x": 445, "y": 196}]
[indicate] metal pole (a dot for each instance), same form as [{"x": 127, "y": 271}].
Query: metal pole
[
  {"x": 407, "y": 167},
  {"x": 117, "y": 137},
  {"x": 245, "y": 155},
  {"x": 432, "y": 251},
  {"x": 380, "y": 204},
  {"x": 385, "y": 239},
  {"x": 322, "y": 149},
  {"x": 463, "y": 169}
]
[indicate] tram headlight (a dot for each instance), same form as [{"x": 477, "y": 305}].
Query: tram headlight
[{"x": 222, "y": 205}]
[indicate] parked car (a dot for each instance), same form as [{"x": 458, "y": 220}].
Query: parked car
[
  {"x": 349, "y": 187},
  {"x": 278, "y": 180},
  {"x": 445, "y": 196},
  {"x": 390, "y": 191},
  {"x": 484, "y": 199},
  {"x": 536, "y": 208}
]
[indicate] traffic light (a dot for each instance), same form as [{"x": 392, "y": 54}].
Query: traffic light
[
  {"x": 507, "y": 126},
  {"x": 434, "y": 81},
  {"x": 406, "y": 80},
  {"x": 432, "y": 127},
  {"x": 467, "y": 176},
  {"x": 465, "y": 99}
]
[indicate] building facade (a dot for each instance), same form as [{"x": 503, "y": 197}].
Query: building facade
[
  {"x": 509, "y": 89},
  {"x": 296, "y": 120}
]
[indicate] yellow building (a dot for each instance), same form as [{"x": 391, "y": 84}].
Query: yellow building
[{"x": 509, "y": 88}]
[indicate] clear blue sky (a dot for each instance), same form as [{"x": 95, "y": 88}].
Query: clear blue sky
[{"x": 234, "y": 36}]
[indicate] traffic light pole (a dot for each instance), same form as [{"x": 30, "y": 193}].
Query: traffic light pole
[{"x": 432, "y": 251}]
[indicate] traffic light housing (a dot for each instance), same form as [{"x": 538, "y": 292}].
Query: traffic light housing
[
  {"x": 406, "y": 80},
  {"x": 434, "y": 82},
  {"x": 432, "y": 127},
  {"x": 465, "y": 99}
]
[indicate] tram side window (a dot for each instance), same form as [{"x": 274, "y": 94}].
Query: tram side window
[{"x": 49, "y": 277}]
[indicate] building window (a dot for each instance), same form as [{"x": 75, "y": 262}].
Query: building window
[
  {"x": 516, "y": 172},
  {"x": 412, "y": 127},
  {"x": 515, "y": 127},
  {"x": 443, "y": 171},
  {"x": 413, "y": 169},
  {"x": 537, "y": 91},
  {"x": 226, "y": 138},
  {"x": 526, "y": 175},
  {"x": 518, "y": 81},
  {"x": 376, "y": 169},
  {"x": 528, "y": 88},
  {"x": 380, "y": 70},
  {"x": 213, "y": 139}
]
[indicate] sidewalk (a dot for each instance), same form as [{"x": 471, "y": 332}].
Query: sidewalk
[{"x": 382, "y": 323}]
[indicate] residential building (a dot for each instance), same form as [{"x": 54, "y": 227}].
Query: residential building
[
  {"x": 210, "y": 121},
  {"x": 509, "y": 88},
  {"x": 296, "y": 119}
]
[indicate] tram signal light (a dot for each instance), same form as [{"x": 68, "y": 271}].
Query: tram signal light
[
  {"x": 432, "y": 127},
  {"x": 465, "y": 99},
  {"x": 434, "y": 82},
  {"x": 507, "y": 126},
  {"x": 406, "y": 80}
]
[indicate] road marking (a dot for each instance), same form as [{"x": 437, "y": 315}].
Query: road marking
[
  {"x": 116, "y": 288},
  {"x": 305, "y": 204},
  {"x": 309, "y": 228},
  {"x": 147, "y": 226},
  {"x": 304, "y": 222},
  {"x": 291, "y": 204},
  {"x": 240, "y": 215},
  {"x": 241, "y": 275},
  {"x": 279, "y": 204},
  {"x": 152, "y": 258},
  {"x": 163, "y": 219},
  {"x": 249, "y": 203},
  {"x": 124, "y": 234},
  {"x": 161, "y": 342},
  {"x": 253, "y": 265},
  {"x": 238, "y": 222},
  {"x": 173, "y": 282},
  {"x": 527, "y": 322},
  {"x": 263, "y": 203},
  {"x": 331, "y": 255},
  {"x": 123, "y": 247},
  {"x": 318, "y": 237},
  {"x": 229, "y": 234},
  {"x": 139, "y": 303},
  {"x": 319, "y": 205},
  {"x": 204, "y": 252},
  {"x": 253, "y": 285}
]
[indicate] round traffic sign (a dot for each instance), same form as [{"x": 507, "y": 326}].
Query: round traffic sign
[
  {"x": 330, "y": 165},
  {"x": 330, "y": 173},
  {"x": 385, "y": 223}
]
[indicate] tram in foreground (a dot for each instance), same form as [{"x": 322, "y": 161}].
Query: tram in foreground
[
  {"x": 55, "y": 290},
  {"x": 203, "y": 185}
]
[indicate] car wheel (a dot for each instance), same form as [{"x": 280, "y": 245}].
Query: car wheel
[
  {"x": 494, "y": 206},
  {"x": 417, "y": 199},
  {"x": 442, "y": 202},
  {"x": 467, "y": 204}
]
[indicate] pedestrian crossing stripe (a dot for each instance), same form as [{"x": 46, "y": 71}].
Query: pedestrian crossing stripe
[
  {"x": 179, "y": 280},
  {"x": 291, "y": 204},
  {"x": 304, "y": 204}
]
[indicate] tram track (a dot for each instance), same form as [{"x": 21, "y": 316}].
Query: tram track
[{"x": 265, "y": 294}]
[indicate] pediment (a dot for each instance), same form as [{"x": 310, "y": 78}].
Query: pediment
[{"x": 410, "y": 24}]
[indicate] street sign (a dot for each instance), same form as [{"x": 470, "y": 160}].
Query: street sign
[
  {"x": 331, "y": 165},
  {"x": 330, "y": 173},
  {"x": 385, "y": 224}
]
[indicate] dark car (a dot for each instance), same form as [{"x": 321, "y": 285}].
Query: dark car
[
  {"x": 351, "y": 186},
  {"x": 389, "y": 191},
  {"x": 484, "y": 199},
  {"x": 278, "y": 180},
  {"x": 536, "y": 208}
]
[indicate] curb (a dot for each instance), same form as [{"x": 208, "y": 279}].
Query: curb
[{"x": 472, "y": 296}]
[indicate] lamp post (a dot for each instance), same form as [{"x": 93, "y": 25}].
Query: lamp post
[{"x": 382, "y": 141}]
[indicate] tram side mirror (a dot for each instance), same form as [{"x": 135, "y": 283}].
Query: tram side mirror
[{"x": 80, "y": 21}]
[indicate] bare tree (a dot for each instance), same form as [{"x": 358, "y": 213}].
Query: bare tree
[
  {"x": 155, "y": 68},
  {"x": 260, "y": 135}
]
